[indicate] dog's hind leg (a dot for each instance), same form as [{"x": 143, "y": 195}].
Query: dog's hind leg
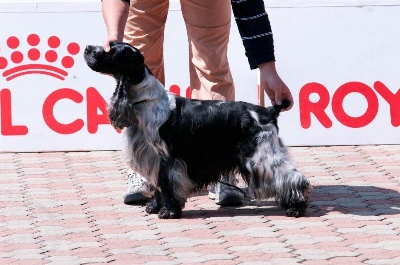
[
  {"x": 292, "y": 190},
  {"x": 274, "y": 175},
  {"x": 291, "y": 187}
]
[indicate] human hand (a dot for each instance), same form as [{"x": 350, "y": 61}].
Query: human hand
[
  {"x": 115, "y": 14},
  {"x": 273, "y": 85},
  {"x": 106, "y": 43}
]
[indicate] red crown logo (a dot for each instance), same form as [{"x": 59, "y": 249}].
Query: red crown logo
[{"x": 25, "y": 64}]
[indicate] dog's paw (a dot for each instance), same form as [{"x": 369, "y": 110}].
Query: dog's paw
[
  {"x": 165, "y": 213},
  {"x": 294, "y": 212},
  {"x": 151, "y": 208}
]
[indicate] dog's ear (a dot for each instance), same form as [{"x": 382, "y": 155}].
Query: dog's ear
[
  {"x": 128, "y": 59},
  {"x": 135, "y": 67}
]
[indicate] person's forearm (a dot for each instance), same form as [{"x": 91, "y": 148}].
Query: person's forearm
[
  {"x": 115, "y": 14},
  {"x": 255, "y": 29}
]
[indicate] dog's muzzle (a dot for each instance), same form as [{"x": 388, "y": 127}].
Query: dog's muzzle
[{"x": 92, "y": 54}]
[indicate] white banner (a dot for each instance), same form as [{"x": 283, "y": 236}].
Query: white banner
[
  {"x": 51, "y": 101},
  {"x": 341, "y": 62}
]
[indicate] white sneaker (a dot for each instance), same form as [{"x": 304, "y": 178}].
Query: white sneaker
[{"x": 139, "y": 190}]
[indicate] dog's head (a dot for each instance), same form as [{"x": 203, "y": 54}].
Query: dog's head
[
  {"x": 122, "y": 60},
  {"x": 126, "y": 64}
]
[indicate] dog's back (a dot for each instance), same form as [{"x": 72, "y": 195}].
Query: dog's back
[{"x": 216, "y": 136}]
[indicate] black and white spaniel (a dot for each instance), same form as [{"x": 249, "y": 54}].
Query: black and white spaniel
[{"x": 181, "y": 145}]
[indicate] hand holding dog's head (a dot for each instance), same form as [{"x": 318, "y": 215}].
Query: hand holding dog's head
[{"x": 121, "y": 60}]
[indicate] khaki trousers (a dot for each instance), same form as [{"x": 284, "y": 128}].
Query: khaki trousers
[{"x": 207, "y": 24}]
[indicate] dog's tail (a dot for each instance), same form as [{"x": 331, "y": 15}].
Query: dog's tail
[
  {"x": 274, "y": 111},
  {"x": 285, "y": 103},
  {"x": 271, "y": 113}
]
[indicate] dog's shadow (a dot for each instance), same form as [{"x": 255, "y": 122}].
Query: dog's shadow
[
  {"x": 324, "y": 199},
  {"x": 354, "y": 200}
]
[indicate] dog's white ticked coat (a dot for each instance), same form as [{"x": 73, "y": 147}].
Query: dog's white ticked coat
[
  {"x": 143, "y": 143},
  {"x": 181, "y": 145}
]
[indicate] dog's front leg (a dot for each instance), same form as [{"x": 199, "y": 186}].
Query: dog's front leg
[
  {"x": 164, "y": 205},
  {"x": 154, "y": 205},
  {"x": 171, "y": 207}
]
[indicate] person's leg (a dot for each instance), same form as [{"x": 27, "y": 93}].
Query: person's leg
[
  {"x": 145, "y": 30},
  {"x": 208, "y": 26}
]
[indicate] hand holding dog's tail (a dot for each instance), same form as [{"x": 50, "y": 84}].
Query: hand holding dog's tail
[{"x": 285, "y": 104}]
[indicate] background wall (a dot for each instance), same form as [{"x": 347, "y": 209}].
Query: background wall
[{"x": 340, "y": 59}]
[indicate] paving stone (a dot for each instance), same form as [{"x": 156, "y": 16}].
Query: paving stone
[
  {"x": 67, "y": 208},
  {"x": 264, "y": 247},
  {"x": 192, "y": 257},
  {"x": 318, "y": 254},
  {"x": 253, "y": 232},
  {"x": 392, "y": 261},
  {"x": 188, "y": 242}
]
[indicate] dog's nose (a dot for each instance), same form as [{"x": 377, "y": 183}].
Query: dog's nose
[
  {"x": 93, "y": 49},
  {"x": 88, "y": 49}
]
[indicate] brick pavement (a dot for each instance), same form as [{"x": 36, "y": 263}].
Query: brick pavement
[{"x": 66, "y": 208}]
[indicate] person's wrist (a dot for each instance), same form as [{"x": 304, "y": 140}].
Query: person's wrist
[
  {"x": 114, "y": 36},
  {"x": 268, "y": 67}
]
